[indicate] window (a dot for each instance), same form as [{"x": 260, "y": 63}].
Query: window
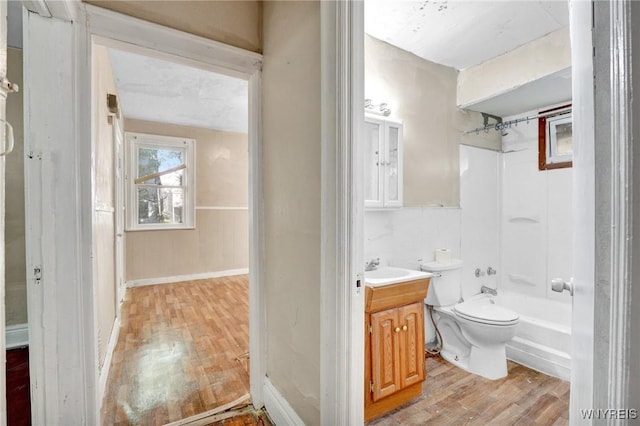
[
  {"x": 160, "y": 182},
  {"x": 555, "y": 139}
]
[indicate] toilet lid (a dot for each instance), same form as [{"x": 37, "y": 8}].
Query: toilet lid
[{"x": 486, "y": 312}]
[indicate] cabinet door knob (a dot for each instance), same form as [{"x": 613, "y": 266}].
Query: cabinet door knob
[
  {"x": 404, "y": 328},
  {"x": 397, "y": 329}
]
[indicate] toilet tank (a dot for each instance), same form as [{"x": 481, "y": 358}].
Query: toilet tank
[{"x": 445, "y": 286}]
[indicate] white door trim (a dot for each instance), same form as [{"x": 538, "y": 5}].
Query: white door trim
[
  {"x": 583, "y": 233},
  {"x": 342, "y": 302},
  {"x": 79, "y": 318},
  {"x": 621, "y": 196},
  {"x": 603, "y": 179}
]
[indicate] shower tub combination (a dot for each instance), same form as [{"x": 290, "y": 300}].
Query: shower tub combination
[{"x": 543, "y": 337}]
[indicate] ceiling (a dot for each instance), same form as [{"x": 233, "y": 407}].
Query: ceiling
[
  {"x": 157, "y": 90},
  {"x": 461, "y": 34}
]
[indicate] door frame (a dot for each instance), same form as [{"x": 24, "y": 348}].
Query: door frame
[
  {"x": 602, "y": 206},
  {"x": 119, "y": 236},
  {"x": 93, "y": 23},
  {"x": 600, "y": 378},
  {"x": 342, "y": 216}
]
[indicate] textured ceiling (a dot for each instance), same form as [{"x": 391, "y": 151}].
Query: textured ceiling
[
  {"x": 157, "y": 90},
  {"x": 461, "y": 34}
]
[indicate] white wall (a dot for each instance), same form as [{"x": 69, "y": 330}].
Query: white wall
[
  {"x": 292, "y": 208},
  {"x": 403, "y": 236},
  {"x": 220, "y": 239},
  {"x": 422, "y": 95},
  {"x": 536, "y": 217},
  {"x": 513, "y": 217},
  {"x": 104, "y": 199},
  {"x": 479, "y": 199},
  {"x": 530, "y": 62},
  {"x": 15, "y": 266}
]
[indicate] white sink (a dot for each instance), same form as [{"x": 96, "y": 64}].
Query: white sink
[{"x": 391, "y": 275}]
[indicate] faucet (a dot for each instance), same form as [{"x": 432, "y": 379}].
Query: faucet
[
  {"x": 489, "y": 290},
  {"x": 372, "y": 264}
]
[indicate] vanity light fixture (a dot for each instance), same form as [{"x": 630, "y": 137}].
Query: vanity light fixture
[{"x": 380, "y": 109}]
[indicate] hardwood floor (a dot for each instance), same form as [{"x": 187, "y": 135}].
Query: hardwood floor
[
  {"x": 182, "y": 350},
  {"x": 18, "y": 387},
  {"x": 451, "y": 396}
]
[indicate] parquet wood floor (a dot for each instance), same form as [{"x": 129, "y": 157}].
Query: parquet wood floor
[
  {"x": 181, "y": 351},
  {"x": 451, "y": 396},
  {"x": 18, "y": 389}
]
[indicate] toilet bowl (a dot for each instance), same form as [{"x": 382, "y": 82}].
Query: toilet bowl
[{"x": 474, "y": 332}]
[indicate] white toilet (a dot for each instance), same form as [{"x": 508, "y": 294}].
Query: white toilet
[{"x": 475, "y": 331}]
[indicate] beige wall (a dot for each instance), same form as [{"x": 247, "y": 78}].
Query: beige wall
[
  {"x": 238, "y": 22},
  {"x": 15, "y": 272},
  {"x": 220, "y": 240},
  {"x": 527, "y": 63},
  {"x": 422, "y": 95},
  {"x": 291, "y": 144},
  {"x": 104, "y": 216}
]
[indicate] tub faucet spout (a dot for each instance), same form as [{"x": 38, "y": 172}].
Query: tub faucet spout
[
  {"x": 489, "y": 290},
  {"x": 372, "y": 264}
]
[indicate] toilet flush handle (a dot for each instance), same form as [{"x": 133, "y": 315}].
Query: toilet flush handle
[{"x": 559, "y": 285}]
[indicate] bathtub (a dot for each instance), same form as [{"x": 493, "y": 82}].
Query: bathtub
[{"x": 543, "y": 337}]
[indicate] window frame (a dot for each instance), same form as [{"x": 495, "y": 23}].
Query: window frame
[
  {"x": 134, "y": 141},
  {"x": 547, "y": 159}
]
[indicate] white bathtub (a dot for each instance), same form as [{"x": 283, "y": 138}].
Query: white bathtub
[{"x": 543, "y": 337}]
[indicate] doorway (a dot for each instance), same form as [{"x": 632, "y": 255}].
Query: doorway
[
  {"x": 171, "y": 196},
  {"x": 586, "y": 378},
  {"x": 111, "y": 30}
]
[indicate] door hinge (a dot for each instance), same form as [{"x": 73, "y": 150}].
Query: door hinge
[
  {"x": 371, "y": 386},
  {"x": 37, "y": 274},
  {"x": 370, "y": 329}
]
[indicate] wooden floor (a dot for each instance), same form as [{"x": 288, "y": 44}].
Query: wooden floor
[
  {"x": 18, "y": 387},
  {"x": 182, "y": 350},
  {"x": 451, "y": 396}
]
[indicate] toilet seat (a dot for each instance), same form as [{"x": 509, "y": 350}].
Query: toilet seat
[{"x": 485, "y": 313}]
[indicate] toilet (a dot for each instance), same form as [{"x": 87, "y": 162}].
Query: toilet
[{"x": 474, "y": 331}]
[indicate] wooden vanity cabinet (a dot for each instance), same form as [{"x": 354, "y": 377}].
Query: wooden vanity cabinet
[{"x": 394, "y": 345}]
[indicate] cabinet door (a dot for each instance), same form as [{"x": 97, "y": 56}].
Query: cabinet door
[
  {"x": 385, "y": 357},
  {"x": 411, "y": 344},
  {"x": 393, "y": 165},
  {"x": 373, "y": 162}
]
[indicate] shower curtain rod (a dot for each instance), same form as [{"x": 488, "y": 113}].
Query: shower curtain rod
[{"x": 508, "y": 124}]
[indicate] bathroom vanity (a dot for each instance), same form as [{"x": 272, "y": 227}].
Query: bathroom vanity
[{"x": 394, "y": 344}]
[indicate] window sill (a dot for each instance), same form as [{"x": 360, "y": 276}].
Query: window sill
[{"x": 161, "y": 228}]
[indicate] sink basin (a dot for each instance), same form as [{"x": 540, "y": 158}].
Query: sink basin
[
  {"x": 387, "y": 273},
  {"x": 391, "y": 275}
]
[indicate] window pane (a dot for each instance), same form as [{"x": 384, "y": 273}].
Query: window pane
[
  {"x": 160, "y": 205},
  {"x": 155, "y": 161},
  {"x": 564, "y": 137}
]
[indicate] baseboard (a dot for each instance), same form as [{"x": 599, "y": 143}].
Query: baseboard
[
  {"x": 106, "y": 366},
  {"x": 179, "y": 278},
  {"x": 17, "y": 335},
  {"x": 538, "y": 363},
  {"x": 278, "y": 408}
]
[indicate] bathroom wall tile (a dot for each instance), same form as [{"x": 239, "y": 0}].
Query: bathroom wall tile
[
  {"x": 480, "y": 216},
  {"x": 402, "y": 236},
  {"x": 536, "y": 217},
  {"x": 559, "y": 230}
]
